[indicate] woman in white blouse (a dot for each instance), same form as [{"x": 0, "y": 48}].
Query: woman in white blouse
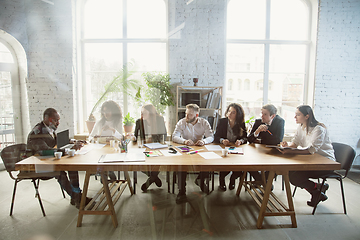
[
  {"x": 110, "y": 125},
  {"x": 312, "y": 137}
]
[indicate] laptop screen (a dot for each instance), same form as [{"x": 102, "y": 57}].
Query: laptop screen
[{"x": 62, "y": 138}]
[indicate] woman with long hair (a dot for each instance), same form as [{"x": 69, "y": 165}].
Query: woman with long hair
[
  {"x": 150, "y": 128},
  {"x": 110, "y": 125},
  {"x": 231, "y": 130},
  {"x": 313, "y": 137}
]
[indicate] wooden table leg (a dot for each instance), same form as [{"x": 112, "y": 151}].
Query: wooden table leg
[
  {"x": 108, "y": 197},
  {"x": 289, "y": 198},
  {"x": 83, "y": 198},
  {"x": 265, "y": 199},
  {"x": 242, "y": 178},
  {"x": 128, "y": 179}
]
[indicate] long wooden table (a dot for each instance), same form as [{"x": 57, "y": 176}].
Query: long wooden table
[{"x": 256, "y": 157}]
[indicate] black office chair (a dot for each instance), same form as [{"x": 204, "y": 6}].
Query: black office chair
[
  {"x": 15, "y": 153},
  {"x": 345, "y": 155}
]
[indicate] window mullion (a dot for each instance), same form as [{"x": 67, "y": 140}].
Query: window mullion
[
  {"x": 266, "y": 54},
  {"x": 125, "y": 53}
]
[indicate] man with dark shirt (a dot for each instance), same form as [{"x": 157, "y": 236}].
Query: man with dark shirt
[
  {"x": 269, "y": 130},
  {"x": 43, "y": 137}
]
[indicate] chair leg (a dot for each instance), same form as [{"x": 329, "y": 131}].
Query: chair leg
[
  {"x": 38, "y": 196},
  {"x": 343, "y": 195},
  {"x": 135, "y": 180},
  {"x": 294, "y": 191},
  {"x": 13, "y": 197},
  {"x": 317, "y": 200},
  {"x": 282, "y": 183},
  {"x": 62, "y": 190}
]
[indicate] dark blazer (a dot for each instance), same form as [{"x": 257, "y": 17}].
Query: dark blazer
[
  {"x": 221, "y": 131},
  {"x": 139, "y": 130},
  {"x": 276, "y": 128},
  {"x": 40, "y": 139}
]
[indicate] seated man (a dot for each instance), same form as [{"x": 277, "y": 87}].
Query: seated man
[
  {"x": 43, "y": 137},
  {"x": 191, "y": 130},
  {"x": 269, "y": 130}
]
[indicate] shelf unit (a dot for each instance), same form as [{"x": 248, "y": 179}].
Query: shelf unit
[{"x": 209, "y": 100}]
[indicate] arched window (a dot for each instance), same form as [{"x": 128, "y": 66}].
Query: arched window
[
  {"x": 14, "y": 115},
  {"x": 230, "y": 84},
  {"x": 113, "y": 36},
  {"x": 247, "y": 85},
  {"x": 239, "y": 84},
  {"x": 275, "y": 39}
]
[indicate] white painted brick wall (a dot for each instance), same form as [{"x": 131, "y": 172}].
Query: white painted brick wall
[
  {"x": 45, "y": 31},
  {"x": 337, "y": 85},
  {"x": 197, "y": 49}
]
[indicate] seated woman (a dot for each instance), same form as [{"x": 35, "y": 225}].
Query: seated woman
[
  {"x": 231, "y": 130},
  {"x": 313, "y": 137},
  {"x": 150, "y": 128},
  {"x": 110, "y": 125}
]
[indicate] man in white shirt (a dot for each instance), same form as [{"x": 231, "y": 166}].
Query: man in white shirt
[{"x": 191, "y": 130}]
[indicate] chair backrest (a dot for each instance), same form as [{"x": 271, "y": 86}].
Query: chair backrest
[
  {"x": 13, "y": 154},
  {"x": 345, "y": 155}
]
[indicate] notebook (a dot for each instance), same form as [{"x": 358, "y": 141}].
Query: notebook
[{"x": 62, "y": 140}]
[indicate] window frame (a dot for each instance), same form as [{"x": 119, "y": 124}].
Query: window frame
[
  {"x": 309, "y": 43},
  {"x": 81, "y": 85}
]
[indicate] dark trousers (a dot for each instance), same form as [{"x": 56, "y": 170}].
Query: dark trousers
[
  {"x": 301, "y": 178},
  {"x": 233, "y": 176},
  {"x": 182, "y": 180},
  {"x": 72, "y": 185},
  {"x": 151, "y": 174}
]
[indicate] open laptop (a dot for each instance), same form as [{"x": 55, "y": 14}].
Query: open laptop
[{"x": 63, "y": 140}]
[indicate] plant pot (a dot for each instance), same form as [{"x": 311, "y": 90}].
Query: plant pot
[
  {"x": 90, "y": 125},
  {"x": 128, "y": 128}
]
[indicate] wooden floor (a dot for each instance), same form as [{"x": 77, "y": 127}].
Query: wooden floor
[{"x": 154, "y": 215}]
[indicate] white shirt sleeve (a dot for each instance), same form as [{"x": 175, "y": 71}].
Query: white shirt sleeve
[
  {"x": 317, "y": 139},
  {"x": 178, "y": 132}
]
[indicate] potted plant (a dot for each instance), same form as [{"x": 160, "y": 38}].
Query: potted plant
[
  {"x": 128, "y": 123},
  {"x": 159, "y": 91},
  {"x": 120, "y": 83}
]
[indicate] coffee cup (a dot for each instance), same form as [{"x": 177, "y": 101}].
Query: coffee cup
[
  {"x": 224, "y": 152},
  {"x": 72, "y": 152},
  {"x": 112, "y": 143},
  {"x": 58, "y": 155}
]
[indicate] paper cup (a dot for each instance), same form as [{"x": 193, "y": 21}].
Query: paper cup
[
  {"x": 224, "y": 152},
  {"x": 72, "y": 152},
  {"x": 58, "y": 155}
]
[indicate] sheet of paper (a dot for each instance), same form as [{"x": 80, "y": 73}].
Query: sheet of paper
[
  {"x": 209, "y": 155},
  {"x": 87, "y": 148},
  {"x": 167, "y": 154},
  {"x": 155, "y": 145},
  {"x": 213, "y": 147},
  {"x": 235, "y": 151},
  {"x": 123, "y": 157}
]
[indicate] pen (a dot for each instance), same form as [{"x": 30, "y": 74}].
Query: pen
[
  {"x": 192, "y": 152},
  {"x": 269, "y": 132}
]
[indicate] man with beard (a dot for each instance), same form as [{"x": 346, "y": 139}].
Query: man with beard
[
  {"x": 191, "y": 130},
  {"x": 43, "y": 137}
]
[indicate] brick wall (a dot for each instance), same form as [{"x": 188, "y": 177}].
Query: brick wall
[
  {"x": 45, "y": 31},
  {"x": 196, "y": 44},
  {"x": 337, "y": 85}
]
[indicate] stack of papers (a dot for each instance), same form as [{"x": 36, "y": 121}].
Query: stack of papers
[
  {"x": 123, "y": 157},
  {"x": 235, "y": 150},
  {"x": 155, "y": 145}
]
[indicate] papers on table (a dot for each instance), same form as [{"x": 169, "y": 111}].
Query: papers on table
[
  {"x": 155, "y": 145},
  {"x": 87, "y": 148},
  {"x": 213, "y": 147},
  {"x": 280, "y": 147},
  {"x": 123, "y": 157},
  {"x": 209, "y": 155},
  {"x": 235, "y": 151}
]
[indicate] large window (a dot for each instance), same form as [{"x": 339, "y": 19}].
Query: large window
[
  {"x": 7, "y": 125},
  {"x": 115, "y": 33},
  {"x": 268, "y": 44}
]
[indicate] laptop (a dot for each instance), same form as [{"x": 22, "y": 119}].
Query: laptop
[{"x": 63, "y": 140}]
